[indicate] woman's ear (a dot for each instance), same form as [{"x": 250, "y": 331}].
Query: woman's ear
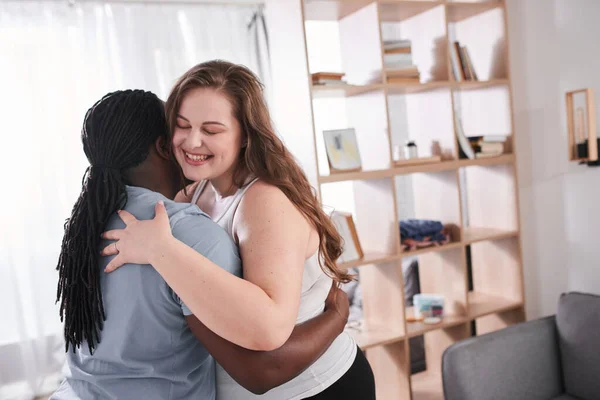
[{"x": 162, "y": 147}]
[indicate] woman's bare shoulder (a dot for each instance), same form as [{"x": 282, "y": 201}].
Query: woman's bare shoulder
[
  {"x": 265, "y": 202},
  {"x": 264, "y": 193}
]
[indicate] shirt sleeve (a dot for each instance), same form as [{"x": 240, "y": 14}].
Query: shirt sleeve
[{"x": 210, "y": 240}]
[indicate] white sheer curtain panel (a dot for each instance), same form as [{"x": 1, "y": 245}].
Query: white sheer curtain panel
[{"x": 56, "y": 59}]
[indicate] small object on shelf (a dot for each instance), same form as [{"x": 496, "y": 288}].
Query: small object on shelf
[
  {"x": 390, "y": 46},
  {"x": 328, "y": 78},
  {"x": 407, "y": 74},
  {"x": 397, "y": 153},
  {"x": 412, "y": 318},
  {"x": 342, "y": 150},
  {"x": 456, "y": 64},
  {"x": 397, "y": 58},
  {"x": 463, "y": 141},
  {"x": 410, "y": 150},
  {"x": 488, "y": 146},
  {"x": 462, "y": 65},
  {"x": 581, "y": 123},
  {"x": 432, "y": 320},
  {"x": 470, "y": 66},
  {"x": 417, "y": 161},
  {"x": 428, "y": 305},
  {"x": 352, "y": 249},
  {"x": 418, "y": 234}
]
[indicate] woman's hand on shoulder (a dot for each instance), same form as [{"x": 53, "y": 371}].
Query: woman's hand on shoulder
[{"x": 139, "y": 240}]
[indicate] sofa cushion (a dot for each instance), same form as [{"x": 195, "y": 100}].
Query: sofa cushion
[
  {"x": 517, "y": 363},
  {"x": 578, "y": 324}
]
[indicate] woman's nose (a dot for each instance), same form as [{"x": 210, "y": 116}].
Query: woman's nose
[{"x": 195, "y": 138}]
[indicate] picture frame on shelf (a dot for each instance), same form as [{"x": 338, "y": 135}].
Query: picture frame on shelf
[
  {"x": 342, "y": 150},
  {"x": 344, "y": 223},
  {"x": 581, "y": 124}
]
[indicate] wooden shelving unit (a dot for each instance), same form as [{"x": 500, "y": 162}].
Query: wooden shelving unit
[{"x": 477, "y": 197}]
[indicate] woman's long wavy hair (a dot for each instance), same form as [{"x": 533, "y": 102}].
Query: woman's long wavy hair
[{"x": 264, "y": 156}]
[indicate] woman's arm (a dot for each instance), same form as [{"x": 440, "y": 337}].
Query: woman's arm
[
  {"x": 258, "y": 312},
  {"x": 261, "y": 371}
]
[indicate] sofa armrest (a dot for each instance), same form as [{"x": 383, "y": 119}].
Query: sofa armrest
[{"x": 519, "y": 362}]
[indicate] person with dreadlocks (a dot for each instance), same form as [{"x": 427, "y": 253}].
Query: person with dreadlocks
[
  {"x": 128, "y": 335},
  {"x": 252, "y": 186}
]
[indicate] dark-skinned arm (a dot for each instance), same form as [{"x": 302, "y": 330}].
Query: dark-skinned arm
[{"x": 261, "y": 371}]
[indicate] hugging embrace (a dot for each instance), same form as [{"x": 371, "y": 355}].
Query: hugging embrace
[{"x": 197, "y": 262}]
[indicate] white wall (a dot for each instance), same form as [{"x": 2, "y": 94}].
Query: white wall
[{"x": 554, "y": 49}]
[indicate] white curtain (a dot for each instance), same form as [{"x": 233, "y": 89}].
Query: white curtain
[{"x": 56, "y": 59}]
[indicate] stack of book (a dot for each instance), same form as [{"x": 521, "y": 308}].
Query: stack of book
[
  {"x": 462, "y": 66},
  {"x": 487, "y": 146},
  {"x": 398, "y": 62},
  {"x": 328, "y": 78}
]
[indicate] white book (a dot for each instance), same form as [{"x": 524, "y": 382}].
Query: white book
[{"x": 463, "y": 141}]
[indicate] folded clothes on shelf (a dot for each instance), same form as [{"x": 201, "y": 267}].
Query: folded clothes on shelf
[{"x": 421, "y": 233}]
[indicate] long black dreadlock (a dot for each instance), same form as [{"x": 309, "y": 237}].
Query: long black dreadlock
[{"x": 117, "y": 134}]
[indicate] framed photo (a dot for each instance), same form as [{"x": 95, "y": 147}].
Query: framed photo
[
  {"x": 352, "y": 249},
  {"x": 342, "y": 150},
  {"x": 581, "y": 123}
]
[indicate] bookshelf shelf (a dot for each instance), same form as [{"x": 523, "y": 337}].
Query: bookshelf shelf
[
  {"x": 481, "y": 304},
  {"x": 331, "y": 10},
  {"x": 435, "y": 249},
  {"x": 371, "y": 258},
  {"x": 340, "y": 90},
  {"x": 396, "y": 88},
  {"x": 376, "y": 336},
  {"x": 415, "y": 329},
  {"x": 425, "y": 168},
  {"x": 460, "y": 10},
  {"x": 476, "y": 85},
  {"x": 473, "y": 235},
  {"x": 476, "y": 198},
  {"x": 398, "y": 11}
]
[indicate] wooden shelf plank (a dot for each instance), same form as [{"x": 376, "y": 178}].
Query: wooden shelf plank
[
  {"x": 410, "y": 88},
  {"x": 371, "y": 258},
  {"x": 461, "y": 10},
  {"x": 401, "y": 10},
  {"x": 490, "y": 161},
  {"x": 481, "y": 304},
  {"x": 419, "y": 328},
  {"x": 356, "y": 176},
  {"x": 341, "y": 90},
  {"x": 434, "y": 249},
  {"x": 375, "y": 336},
  {"x": 475, "y": 85},
  {"x": 331, "y": 10},
  {"x": 424, "y": 168},
  {"x": 427, "y": 385},
  {"x": 473, "y": 234}
]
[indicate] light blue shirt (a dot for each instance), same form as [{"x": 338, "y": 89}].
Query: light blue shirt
[{"x": 147, "y": 350}]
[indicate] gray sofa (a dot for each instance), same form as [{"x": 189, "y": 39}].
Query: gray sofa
[{"x": 551, "y": 358}]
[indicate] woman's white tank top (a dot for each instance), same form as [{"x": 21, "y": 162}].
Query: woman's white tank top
[{"x": 315, "y": 286}]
